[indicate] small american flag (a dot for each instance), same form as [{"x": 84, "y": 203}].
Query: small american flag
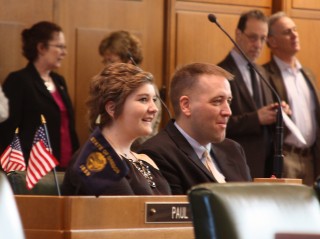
[
  {"x": 41, "y": 160},
  {"x": 12, "y": 158}
]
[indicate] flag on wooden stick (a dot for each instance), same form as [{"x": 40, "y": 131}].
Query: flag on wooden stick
[{"x": 41, "y": 160}]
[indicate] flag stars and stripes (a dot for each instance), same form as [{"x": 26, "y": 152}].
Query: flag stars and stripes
[
  {"x": 41, "y": 160},
  {"x": 12, "y": 158}
]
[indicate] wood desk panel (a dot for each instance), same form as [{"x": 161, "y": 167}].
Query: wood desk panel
[{"x": 90, "y": 217}]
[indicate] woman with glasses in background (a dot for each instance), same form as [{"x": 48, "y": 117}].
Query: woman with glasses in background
[{"x": 36, "y": 90}]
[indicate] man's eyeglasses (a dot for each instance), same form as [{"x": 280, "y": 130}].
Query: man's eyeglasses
[
  {"x": 61, "y": 47},
  {"x": 254, "y": 37}
]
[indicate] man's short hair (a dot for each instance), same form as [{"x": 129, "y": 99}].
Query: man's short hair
[
  {"x": 186, "y": 77},
  {"x": 256, "y": 14},
  {"x": 273, "y": 19}
]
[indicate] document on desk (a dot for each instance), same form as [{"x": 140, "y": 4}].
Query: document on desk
[{"x": 293, "y": 128}]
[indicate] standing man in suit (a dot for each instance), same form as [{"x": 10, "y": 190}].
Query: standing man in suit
[
  {"x": 296, "y": 85},
  {"x": 253, "y": 110},
  {"x": 192, "y": 149}
]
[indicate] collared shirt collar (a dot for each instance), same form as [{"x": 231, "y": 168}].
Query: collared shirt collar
[
  {"x": 198, "y": 148},
  {"x": 283, "y": 66},
  {"x": 240, "y": 61}
]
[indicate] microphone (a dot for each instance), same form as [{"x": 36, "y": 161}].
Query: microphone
[
  {"x": 212, "y": 18},
  {"x": 278, "y": 156},
  {"x": 159, "y": 96}
]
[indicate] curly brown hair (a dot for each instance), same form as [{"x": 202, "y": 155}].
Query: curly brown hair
[{"x": 114, "y": 83}]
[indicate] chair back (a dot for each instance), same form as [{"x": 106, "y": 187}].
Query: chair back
[
  {"x": 10, "y": 222},
  {"x": 253, "y": 210},
  {"x": 45, "y": 186}
]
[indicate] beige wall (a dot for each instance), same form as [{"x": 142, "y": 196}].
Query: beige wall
[{"x": 172, "y": 32}]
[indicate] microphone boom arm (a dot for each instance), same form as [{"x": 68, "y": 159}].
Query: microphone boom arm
[{"x": 278, "y": 155}]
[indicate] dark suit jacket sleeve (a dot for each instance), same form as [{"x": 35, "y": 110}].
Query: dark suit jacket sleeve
[
  {"x": 244, "y": 124},
  {"x": 231, "y": 159},
  {"x": 316, "y": 148}
]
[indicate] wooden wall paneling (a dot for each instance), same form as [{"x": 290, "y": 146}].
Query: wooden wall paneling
[
  {"x": 307, "y": 11},
  {"x": 309, "y": 42},
  {"x": 142, "y": 17},
  {"x": 196, "y": 39},
  {"x": 14, "y": 17},
  {"x": 309, "y": 54},
  {"x": 280, "y": 5},
  {"x": 310, "y": 4},
  {"x": 169, "y": 54},
  {"x": 298, "y": 8},
  {"x": 88, "y": 64},
  {"x": 26, "y": 11},
  {"x": 207, "y": 34},
  {"x": 10, "y": 58},
  {"x": 62, "y": 13}
]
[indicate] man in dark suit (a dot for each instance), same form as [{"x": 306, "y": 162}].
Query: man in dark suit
[
  {"x": 296, "y": 85},
  {"x": 200, "y": 95},
  {"x": 253, "y": 110}
]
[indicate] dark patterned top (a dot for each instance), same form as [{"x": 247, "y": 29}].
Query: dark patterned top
[{"x": 134, "y": 183}]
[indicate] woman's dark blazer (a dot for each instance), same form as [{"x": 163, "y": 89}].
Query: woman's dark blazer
[{"x": 28, "y": 99}]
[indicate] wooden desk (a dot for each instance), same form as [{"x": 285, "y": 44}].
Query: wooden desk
[
  {"x": 278, "y": 180},
  {"x": 53, "y": 217}
]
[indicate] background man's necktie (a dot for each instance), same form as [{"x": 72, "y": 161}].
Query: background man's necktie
[{"x": 255, "y": 87}]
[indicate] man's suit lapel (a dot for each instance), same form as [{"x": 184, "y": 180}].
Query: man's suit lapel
[
  {"x": 276, "y": 80},
  {"x": 310, "y": 78},
  {"x": 185, "y": 147},
  {"x": 266, "y": 93},
  {"x": 239, "y": 81},
  {"x": 223, "y": 161}
]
